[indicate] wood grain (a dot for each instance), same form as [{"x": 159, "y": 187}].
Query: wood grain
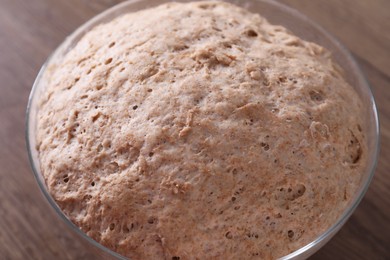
[{"x": 29, "y": 32}]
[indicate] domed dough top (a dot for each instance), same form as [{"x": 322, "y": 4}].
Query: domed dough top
[{"x": 199, "y": 131}]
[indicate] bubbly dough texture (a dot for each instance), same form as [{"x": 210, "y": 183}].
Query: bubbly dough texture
[{"x": 200, "y": 131}]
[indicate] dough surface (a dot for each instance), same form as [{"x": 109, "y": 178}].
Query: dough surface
[{"x": 200, "y": 131}]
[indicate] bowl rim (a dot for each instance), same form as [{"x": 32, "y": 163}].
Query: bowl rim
[{"x": 100, "y": 18}]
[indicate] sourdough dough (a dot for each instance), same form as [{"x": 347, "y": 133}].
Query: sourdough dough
[{"x": 199, "y": 131}]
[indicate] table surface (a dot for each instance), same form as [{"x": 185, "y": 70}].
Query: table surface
[{"x": 31, "y": 29}]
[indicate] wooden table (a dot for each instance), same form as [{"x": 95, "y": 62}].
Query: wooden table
[{"x": 29, "y": 32}]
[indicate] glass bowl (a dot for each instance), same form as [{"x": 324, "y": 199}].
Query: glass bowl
[{"x": 276, "y": 13}]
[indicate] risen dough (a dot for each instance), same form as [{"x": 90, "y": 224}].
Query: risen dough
[{"x": 199, "y": 131}]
